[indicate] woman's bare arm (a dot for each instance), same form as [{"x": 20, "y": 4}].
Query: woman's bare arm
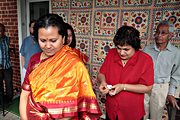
[{"x": 23, "y": 104}]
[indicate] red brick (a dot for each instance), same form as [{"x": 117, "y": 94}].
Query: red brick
[
  {"x": 5, "y": 4},
  {"x": 8, "y": 16},
  {"x": 3, "y": 8}
]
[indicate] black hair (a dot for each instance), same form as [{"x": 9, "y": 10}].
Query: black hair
[
  {"x": 73, "y": 43},
  {"x": 2, "y": 26},
  {"x": 51, "y": 20},
  {"x": 127, "y": 35}
]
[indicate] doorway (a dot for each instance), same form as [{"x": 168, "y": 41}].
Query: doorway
[
  {"x": 37, "y": 9},
  {"x": 29, "y": 10}
]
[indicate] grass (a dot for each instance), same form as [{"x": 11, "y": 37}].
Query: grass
[{"x": 14, "y": 107}]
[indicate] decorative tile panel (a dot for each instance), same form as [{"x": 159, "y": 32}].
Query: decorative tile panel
[
  {"x": 84, "y": 45},
  {"x": 63, "y": 14},
  {"x": 133, "y": 3},
  {"x": 100, "y": 49},
  {"x": 172, "y": 15},
  {"x": 95, "y": 83},
  {"x": 79, "y": 4},
  {"x": 166, "y": 2},
  {"x": 101, "y": 101},
  {"x": 60, "y": 4},
  {"x": 105, "y": 23},
  {"x": 107, "y": 3},
  {"x": 94, "y": 73},
  {"x": 81, "y": 22},
  {"x": 138, "y": 19}
]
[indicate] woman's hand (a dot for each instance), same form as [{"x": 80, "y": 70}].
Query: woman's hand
[
  {"x": 103, "y": 88},
  {"x": 103, "y": 85},
  {"x": 116, "y": 89}
]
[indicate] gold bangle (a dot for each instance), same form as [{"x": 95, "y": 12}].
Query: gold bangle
[{"x": 124, "y": 87}]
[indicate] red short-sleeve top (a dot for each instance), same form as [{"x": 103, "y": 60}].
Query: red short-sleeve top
[{"x": 138, "y": 70}]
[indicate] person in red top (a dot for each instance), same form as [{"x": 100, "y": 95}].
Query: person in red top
[
  {"x": 71, "y": 41},
  {"x": 126, "y": 74}
]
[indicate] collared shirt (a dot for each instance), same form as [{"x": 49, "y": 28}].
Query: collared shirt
[
  {"x": 138, "y": 70},
  {"x": 29, "y": 47},
  {"x": 4, "y": 51},
  {"x": 166, "y": 64}
]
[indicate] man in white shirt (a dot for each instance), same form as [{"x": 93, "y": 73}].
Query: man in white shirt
[{"x": 166, "y": 60}]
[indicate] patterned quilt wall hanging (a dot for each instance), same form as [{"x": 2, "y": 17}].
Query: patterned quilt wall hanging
[{"x": 95, "y": 23}]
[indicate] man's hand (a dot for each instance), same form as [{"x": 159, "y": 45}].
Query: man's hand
[{"x": 173, "y": 101}]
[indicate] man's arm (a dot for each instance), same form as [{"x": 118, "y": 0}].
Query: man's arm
[
  {"x": 22, "y": 61},
  {"x": 174, "y": 82},
  {"x": 22, "y": 53}
]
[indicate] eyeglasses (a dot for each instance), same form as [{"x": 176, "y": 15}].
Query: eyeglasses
[{"x": 163, "y": 33}]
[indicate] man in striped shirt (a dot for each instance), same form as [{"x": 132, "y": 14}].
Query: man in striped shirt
[{"x": 5, "y": 62}]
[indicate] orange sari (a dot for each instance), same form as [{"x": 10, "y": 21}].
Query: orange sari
[
  {"x": 81, "y": 55},
  {"x": 61, "y": 88}
]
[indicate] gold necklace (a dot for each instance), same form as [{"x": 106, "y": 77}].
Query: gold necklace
[{"x": 42, "y": 57}]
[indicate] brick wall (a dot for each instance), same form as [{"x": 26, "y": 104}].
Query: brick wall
[{"x": 8, "y": 17}]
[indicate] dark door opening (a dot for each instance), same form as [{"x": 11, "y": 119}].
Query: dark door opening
[{"x": 38, "y": 9}]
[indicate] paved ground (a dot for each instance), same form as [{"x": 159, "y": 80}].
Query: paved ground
[{"x": 8, "y": 116}]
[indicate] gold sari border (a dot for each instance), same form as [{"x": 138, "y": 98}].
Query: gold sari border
[
  {"x": 65, "y": 109},
  {"x": 88, "y": 105}
]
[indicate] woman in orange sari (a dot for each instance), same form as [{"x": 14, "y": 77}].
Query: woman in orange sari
[
  {"x": 57, "y": 85},
  {"x": 71, "y": 41}
]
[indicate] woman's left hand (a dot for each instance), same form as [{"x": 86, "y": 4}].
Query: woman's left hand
[{"x": 116, "y": 89}]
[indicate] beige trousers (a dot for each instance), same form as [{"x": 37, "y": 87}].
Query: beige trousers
[{"x": 154, "y": 102}]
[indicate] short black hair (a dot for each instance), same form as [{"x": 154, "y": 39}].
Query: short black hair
[
  {"x": 51, "y": 20},
  {"x": 127, "y": 35},
  {"x": 73, "y": 43},
  {"x": 2, "y": 26}
]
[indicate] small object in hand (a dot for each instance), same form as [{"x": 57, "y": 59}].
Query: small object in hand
[
  {"x": 109, "y": 87},
  {"x": 111, "y": 93}
]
